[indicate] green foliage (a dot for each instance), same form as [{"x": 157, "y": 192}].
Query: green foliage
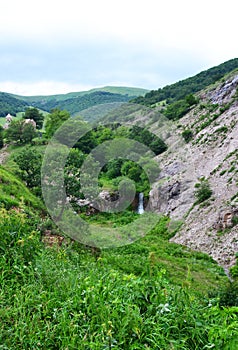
[
  {"x": 131, "y": 170},
  {"x": 54, "y": 120},
  {"x": 142, "y": 173},
  {"x": 19, "y": 240},
  {"x": 1, "y": 137},
  {"x": 235, "y": 220},
  {"x": 234, "y": 271},
  {"x": 222, "y": 129},
  {"x": 87, "y": 142},
  {"x": 13, "y": 192},
  {"x": 21, "y": 132},
  {"x": 62, "y": 97},
  {"x": 191, "y": 100},
  {"x": 203, "y": 190},
  {"x": 80, "y": 103},
  {"x": 187, "y": 134},
  {"x": 62, "y": 298},
  {"x": 181, "y": 89},
  {"x": 33, "y": 113},
  {"x": 29, "y": 161},
  {"x": 118, "y": 167},
  {"x": 147, "y": 138},
  {"x": 229, "y": 295},
  {"x": 114, "y": 168},
  {"x": 178, "y": 109},
  {"x": 10, "y": 104}
]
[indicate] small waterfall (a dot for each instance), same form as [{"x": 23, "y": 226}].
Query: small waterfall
[{"x": 141, "y": 203}]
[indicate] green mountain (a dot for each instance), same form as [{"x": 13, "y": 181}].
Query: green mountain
[
  {"x": 179, "y": 90},
  {"x": 77, "y": 104},
  {"x": 10, "y": 104},
  {"x": 73, "y": 102},
  {"x": 130, "y": 91}
]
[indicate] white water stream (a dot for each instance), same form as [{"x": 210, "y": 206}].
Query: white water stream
[{"x": 141, "y": 204}]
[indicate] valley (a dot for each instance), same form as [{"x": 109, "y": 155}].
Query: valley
[{"x": 81, "y": 269}]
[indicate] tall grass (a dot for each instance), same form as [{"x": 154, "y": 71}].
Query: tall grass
[{"x": 62, "y": 298}]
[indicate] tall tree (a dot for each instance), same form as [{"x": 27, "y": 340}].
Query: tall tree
[
  {"x": 20, "y": 131},
  {"x": 29, "y": 162},
  {"x": 33, "y": 113},
  {"x": 54, "y": 120}
]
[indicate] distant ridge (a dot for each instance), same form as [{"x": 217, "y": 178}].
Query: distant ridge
[
  {"x": 10, "y": 104},
  {"x": 79, "y": 103},
  {"x": 74, "y": 102},
  {"x": 130, "y": 91}
]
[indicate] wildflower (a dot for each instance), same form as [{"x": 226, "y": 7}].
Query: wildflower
[
  {"x": 164, "y": 308},
  {"x": 20, "y": 241}
]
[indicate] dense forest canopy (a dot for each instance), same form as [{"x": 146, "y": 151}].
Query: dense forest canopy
[
  {"x": 77, "y": 104},
  {"x": 9, "y": 104}
]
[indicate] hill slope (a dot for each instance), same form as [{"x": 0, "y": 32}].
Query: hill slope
[
  {"x": 10, "y": 104},
  {"x": 191, "y": 85},
  {"x": 73, "y": 102},
  {"x": 211, "y": 158},
  {"x": 13, "y": 193},
  {"x": 130, "y": 91},
  {"x": 79, "y": 103}
]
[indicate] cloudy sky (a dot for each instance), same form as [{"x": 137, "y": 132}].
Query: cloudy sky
[{"x": 51, "y": 46}]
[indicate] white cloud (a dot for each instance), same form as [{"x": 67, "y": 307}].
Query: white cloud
[
  {"x": 157, "y": 22},
  {"x": 41, "y": 87},
  {"x": 123, "y": 32}
]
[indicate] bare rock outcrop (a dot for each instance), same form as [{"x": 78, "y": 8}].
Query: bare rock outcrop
[{"x": 212, "y": 154}]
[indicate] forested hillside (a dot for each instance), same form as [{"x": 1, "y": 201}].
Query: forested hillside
[
  {"x": 73, "y": 102},
  {"x": 172, "y": 286},
  {"x": 181, "y": 89},
  {"x": 77, "y": 104},
  {"x": 10, "y": 104}
]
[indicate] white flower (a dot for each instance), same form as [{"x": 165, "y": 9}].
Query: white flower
[{"x": 164, "y": 308}]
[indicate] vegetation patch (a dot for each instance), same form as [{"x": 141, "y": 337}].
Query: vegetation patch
[{"x": 202, "y": 190}]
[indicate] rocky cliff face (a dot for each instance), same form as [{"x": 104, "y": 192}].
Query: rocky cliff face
[{"x": 211, "y": 154}]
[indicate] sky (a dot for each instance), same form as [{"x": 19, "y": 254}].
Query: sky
[{"x": 49, "y": 47}]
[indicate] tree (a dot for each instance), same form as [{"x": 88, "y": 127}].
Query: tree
[
  {"x": 72, "y": 172},
  {"x": 131, "y": 170},
  {"x": 158, "y": 146},
  {"x": 149, "y": 139},
  {"x": 33, "y": 113},
  {"x": 29, "y": 162},
  {"x": 14, "y": 131},
  {"x": 191, "y": 100},
  {"x": 20, "y": 131},
  {"x": 87, "y": 142},
  {"x": 114, "y": 168},
  {"x": 28, "y": 133},
  {"x": 1, "y": 137},
  {"x": 55, "y": 120}
]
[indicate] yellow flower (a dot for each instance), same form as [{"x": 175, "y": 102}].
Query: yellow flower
[{"x": 20, "y": 241}]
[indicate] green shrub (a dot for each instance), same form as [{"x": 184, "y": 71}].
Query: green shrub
[
  {"x": 229, "y": 295},
  {"x": 234, "y": 271},
  {"x": 235, "y": 220},
  {"x": 203, "y": 191},
  {"x": 187, "y": 134}
]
